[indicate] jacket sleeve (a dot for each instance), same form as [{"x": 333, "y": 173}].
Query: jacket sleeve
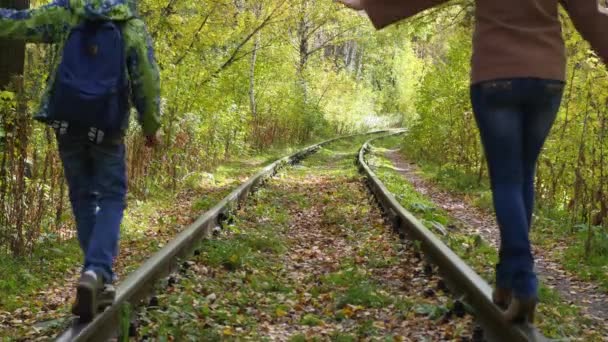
[
  {"x": 144, "y": 75},
  {"x": 46, "y": 24},
  {"x": 383, "y": 13},
  {"x": 592, "y": 24}
]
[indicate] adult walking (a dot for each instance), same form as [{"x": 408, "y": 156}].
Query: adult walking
[
  {"x": 518, "y": 73},
  {"x": 107, "y": 63}
]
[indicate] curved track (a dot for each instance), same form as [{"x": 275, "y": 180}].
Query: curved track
[
  {"x": 140, "y": 283},
  {"x": 458, "y": 275},
  {"x": 463, "y": 281}
]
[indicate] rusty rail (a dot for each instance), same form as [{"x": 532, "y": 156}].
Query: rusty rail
[
  {"x": 458, "y": 275},
  {"x": 140, "y": 283}
]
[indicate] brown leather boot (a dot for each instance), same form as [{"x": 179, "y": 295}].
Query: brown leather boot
[
  {"x": 521, "y": 310},
  {"x": 502, "y": 297}
]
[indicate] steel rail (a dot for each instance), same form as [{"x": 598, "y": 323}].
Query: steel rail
[
  {"x": 461, "y": 279},
  {"x": 139, "y": 284}
]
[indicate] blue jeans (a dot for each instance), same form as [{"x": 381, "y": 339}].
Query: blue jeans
[
  {"x": 96, "y": 176},
  {"x": 514, "y": 118}
]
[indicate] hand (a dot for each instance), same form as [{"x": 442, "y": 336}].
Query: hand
[
  {"x": 152, "y": 141},
  {"x": 353, "y": 4}
]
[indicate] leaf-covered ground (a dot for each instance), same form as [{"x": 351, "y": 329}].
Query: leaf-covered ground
[
  {"x": 308, "y": 258},
  {"x": 472, "y": 234},
  {"x": 37, "y": 293}
]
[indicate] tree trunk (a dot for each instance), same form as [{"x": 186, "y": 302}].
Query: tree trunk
[
  {"x": 253, "y": 106},
  {"x": 12, "y": 53},
  {"x": 579, "y": 182}
]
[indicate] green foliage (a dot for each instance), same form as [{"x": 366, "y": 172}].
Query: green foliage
[
  {"x": 311, "y": 320},
  {"x": 357, "y": 289},
  {"x": 238, "y": 78},
  {"x": 324, "y": 287},
  {"x": 365, "y": 294},
  {"x": 24, "y": 276},
  {"x": 241, "y": 252},
  {"x": 234, "y": 67},
  {"x": 433, "y": 312},
  {"x": 571, "y": 183},
  {"x": 341, "y": 337},
  {"x": 586, "y": 257},
  {"x": 446, "y": 125},
  {"x": 557, "y": 319}
]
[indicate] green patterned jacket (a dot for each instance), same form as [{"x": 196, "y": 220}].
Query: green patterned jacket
[{"x": 52, "y": 23}]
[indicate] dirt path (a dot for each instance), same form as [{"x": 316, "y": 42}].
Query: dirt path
[
  {"x": 310, "y": 258},
  {"x": 588, "y": 297}
]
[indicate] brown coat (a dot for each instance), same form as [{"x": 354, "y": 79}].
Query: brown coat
[{"x": 513, "y": 38}]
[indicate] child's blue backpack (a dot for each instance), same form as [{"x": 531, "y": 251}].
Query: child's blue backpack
[{"x": 91, "y": 86}]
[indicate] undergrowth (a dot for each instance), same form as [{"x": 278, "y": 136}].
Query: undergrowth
[
  {"x": 552, "y": 227},
  {"x": 558, "y": 319},
  {"x": 34, "y": 289},
  {"x": 307, "y": 258}
]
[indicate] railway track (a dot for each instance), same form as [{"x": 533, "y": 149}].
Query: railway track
[
  {"x": 464, "y": 282},
  {"x": 461, "y": 278},
  {"x": 137, "y": 286}
]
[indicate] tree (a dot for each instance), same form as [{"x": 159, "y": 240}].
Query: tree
[{"x": 12, "y": 53}]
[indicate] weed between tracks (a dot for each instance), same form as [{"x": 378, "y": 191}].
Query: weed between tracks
[
  {"x": 308, "y": 258},
  {"x": 557, "y": 318},
  {"x": 37, "y": 292}
]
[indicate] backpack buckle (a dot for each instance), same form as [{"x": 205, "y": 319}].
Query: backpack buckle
[
  {"x": 60, "y": 126},
  {"x": 96, "y": 135}
]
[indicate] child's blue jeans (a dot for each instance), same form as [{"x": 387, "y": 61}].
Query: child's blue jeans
[
  {"x": 514, "y": 117},
  {"x": 96, "y": 176}
]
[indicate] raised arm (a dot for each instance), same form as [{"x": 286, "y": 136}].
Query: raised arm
[
  {"x": 144, "y": 74},
  {"x": 46, "y": 24},
  {"x": 382, "y": 13},
  {"x": 592, "y": 24}
]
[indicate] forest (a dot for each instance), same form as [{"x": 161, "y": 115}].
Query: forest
[
  {"x": 245, "y": 78},
  {"x": 238, "y": 77}
]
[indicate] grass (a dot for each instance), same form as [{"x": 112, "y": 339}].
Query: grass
[
  {"x": 22, "y": 277},
  {"x": 551, "y": 226},
  {"x": 554, "y": 231},
  {"x": 244, "y": 260},
  {"x": 241, "y": 251},
  {"x": 276, "y": 279},
  {"x": 147, "y": 225},
  {"x": 558, "y": 319},
  {"x": 356, "y": 289}
]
